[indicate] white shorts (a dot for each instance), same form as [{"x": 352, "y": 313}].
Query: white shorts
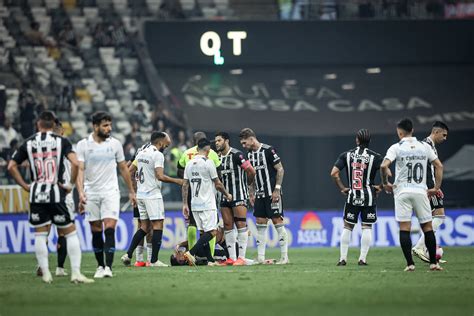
[
  {"x": 407, "y": 202},
  {"x": 70, "y": 206},
  {"x": 100, "y": 206},
  {"x": 152, "y": 209},
  {"x": 206, "y": 220}
]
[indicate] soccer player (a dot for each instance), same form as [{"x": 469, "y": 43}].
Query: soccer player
[
  {"x": 236, "y": 172},
  {"x": 98, "y": 188},
  {"x": 410, "y": 190},
  {"x": 187, "y": 156},
  {"x": 201, "y": 176},
  {"x": 150, "y": 165},
  {"x": 265, "y": 193},
  {"x": 361, "y": 164},
  {"x": 439, "y": 134},
  {"x": 140, "y": 262},
  {"x": 45, "y": 152}
]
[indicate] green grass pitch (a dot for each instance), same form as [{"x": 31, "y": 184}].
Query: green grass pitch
[{"x": 310, "y": 285}]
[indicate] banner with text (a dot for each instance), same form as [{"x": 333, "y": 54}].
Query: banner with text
[
  {"x": 305, "y": 229},
  {"x": 310, "y": 101}
]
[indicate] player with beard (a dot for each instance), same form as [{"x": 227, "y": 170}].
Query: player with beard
[
  {"x": 265, "y": 193},
  {"x": 98, "y": 155},
  {"x": 439, "y": 134},
  {"x": 237, "y": 172},
  {"x": 150, "y": 165}
]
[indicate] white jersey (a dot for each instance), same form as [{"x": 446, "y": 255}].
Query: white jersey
[
  {"x": 148, "y": 186},
  {"x": 200, "y": 172},
  {"x": 412, "y": 158},
  {"x": 100, "y": 163}
]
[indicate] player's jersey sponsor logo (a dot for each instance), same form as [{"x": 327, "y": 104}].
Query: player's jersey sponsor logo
[
  {"x": 371, "y": 216},
  {"x": 311, "y": 230},
  {"x": 35, "y": 217},
  {"x": 350, "y": 216}
]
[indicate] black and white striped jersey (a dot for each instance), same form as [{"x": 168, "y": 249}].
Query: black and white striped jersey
[
  {"x": 430, "y": 174},
  {"x": 233, "y": 173},
  {"x": 263, "y": 161},
  {"x": 361, "y": 165},
  {"x": 46, "y": 153}
]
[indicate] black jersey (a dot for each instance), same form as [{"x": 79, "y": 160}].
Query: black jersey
[
  {"x": 263, "y": 161},
  {"x": 46, "y": 153},
  {"x": 233, "y": 174},
  {"x": 361, "y": 165},
  {"x": 430, "y": 174}
]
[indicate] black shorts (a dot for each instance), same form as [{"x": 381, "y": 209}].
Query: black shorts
[
  {"x": 436, "y": 202},
  {"x": 264, "y": 208},
  {"x": 234, "y": 203},
  {"x": 42, "y": 214},
  {"x": 368, "y": 214},
  {"x": 136, "y": 212}
]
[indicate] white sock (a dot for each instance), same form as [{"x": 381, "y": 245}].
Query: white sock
[
  {"x": 437, "y": 222},
  {"x": 345, "y": 240},
  {"x": 420, "y": 244},
  {"x": 283, "y": 240},
  {"x": 242, "y": 240},
  {"x": 41, "y": 250},
  {"x": 365, "y": 241},
  {"x": 230, "y": 242},
  {"x": 149, "y": 250},
  {"x": 261, "y": 240},
  {"x": 74, "y": 252},
  {"x": 139, "y": 253}
]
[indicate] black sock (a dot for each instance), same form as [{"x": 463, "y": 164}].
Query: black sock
[
  {"x": 405, "y": 242},
  {"x": 203, "y": 239},
  {"x": 62, "y": 251},
  {"x": 109, "y": 246},
  {"x": 207, "y": 252},
  {"x": 156, "y": 245},
  {"x": 430, "y": 242},
  {"x": 98, "y": 246},
  {"x": 139, "y": 235}
]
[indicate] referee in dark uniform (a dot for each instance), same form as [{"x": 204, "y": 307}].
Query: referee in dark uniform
[{"x": 265, "y": 193}]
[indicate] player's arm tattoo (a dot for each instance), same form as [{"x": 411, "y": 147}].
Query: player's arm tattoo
[
  {"x": 335, "y": 174},
  {"x": 438, "y": 166},
  {"x": 280, "y": 173},
  {"x": 184, "y": 191},
  {"x": 385, "y": 171}
]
